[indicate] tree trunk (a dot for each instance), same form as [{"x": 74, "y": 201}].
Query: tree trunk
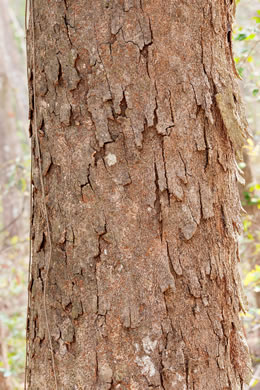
[{"x": 138, "y": 120}]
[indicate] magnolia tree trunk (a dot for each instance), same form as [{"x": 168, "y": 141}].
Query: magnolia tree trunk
[{"x": 139, "y": 120}]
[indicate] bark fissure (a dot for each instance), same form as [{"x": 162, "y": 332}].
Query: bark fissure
[{"x": 157, "y": 203}]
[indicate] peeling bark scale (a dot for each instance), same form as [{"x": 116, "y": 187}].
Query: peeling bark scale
[{"x": 139, "y": 120}]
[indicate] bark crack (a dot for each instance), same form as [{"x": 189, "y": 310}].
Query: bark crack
[
  {"x": 144, "y": 52},
  {"x": 157, "y": 202},
  {"x": 165, "y": 172},
  {"x": 97, "y": 259},
  {"x": 170, "y": 261},
  {"x": 185, "y": 168},
  {"x": 171, "y": 109},
  {"x": 67, "y": 25}
]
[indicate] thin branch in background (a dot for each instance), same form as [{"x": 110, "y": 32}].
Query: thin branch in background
[
  {"x": 5, "y": 228},
  {"x": 3, "y": 250},
  {"x": 249, "y": 53}
]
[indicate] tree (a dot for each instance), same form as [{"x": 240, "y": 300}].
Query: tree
[{"x": 136, "y": 120}]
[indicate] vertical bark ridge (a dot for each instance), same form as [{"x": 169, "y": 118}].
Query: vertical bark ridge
[{"x": 141, "y": 188}]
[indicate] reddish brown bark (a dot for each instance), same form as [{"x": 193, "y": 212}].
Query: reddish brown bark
[{"x": 141, "y": 193}]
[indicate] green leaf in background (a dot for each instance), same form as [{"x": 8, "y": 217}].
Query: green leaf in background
[
  {"x": 250, "y": 236},
  {"x": 240, "y": 71},
  {"x": 241, "y": 37},
  {"x": 254, "y": 187},
  {"x": 253, "y": 277},
  {"x": 255, "y": 91},
  {"x": 14, "y": 240},
  {"x": 246, "y": 224},
  {"x": 250, "y": 36},
  {"x": 256, "y": 381},
  {"x": 22, "y": 184}
]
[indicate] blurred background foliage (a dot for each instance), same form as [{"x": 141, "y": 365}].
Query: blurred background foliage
[
  {"x": 15, "y": 180},
  {"x": 14, "y": 194}
]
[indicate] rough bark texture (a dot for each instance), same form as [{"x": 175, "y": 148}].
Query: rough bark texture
[{"x": 136, "y": 106}]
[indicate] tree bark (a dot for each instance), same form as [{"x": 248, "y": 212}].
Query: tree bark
[{"x": 139, "y": 119}]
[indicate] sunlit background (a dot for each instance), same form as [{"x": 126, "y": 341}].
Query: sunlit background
[{"x": 15, "y": 189}]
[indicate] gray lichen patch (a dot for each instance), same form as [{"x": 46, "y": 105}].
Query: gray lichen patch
[{"x": 111, "y": 159}]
